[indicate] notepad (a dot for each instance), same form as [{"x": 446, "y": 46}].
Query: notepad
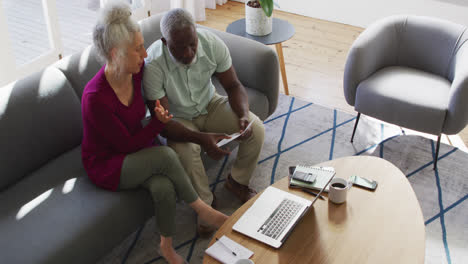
[
  {"x": 323, "y": 175},
  {"x": 222, "y": 250}
]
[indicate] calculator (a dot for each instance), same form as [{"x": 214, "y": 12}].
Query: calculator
[{"x": 304, "y": 176}]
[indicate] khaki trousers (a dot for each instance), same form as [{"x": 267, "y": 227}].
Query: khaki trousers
[{"x": 219, "y": 119}]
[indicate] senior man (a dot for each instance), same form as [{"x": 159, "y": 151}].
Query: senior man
[{"x": 178, "y": 72}]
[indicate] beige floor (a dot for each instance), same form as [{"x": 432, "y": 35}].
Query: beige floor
[{"x": 315, "y": 57}]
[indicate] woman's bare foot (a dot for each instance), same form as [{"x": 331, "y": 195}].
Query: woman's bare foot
[
  {"x": 217, "y": 217},
  {"x": 169, "y": 253},
  {"x": 208, "y": 214}
]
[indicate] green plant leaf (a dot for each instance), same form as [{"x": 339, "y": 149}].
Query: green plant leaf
[{"x": 267, "y": 6}]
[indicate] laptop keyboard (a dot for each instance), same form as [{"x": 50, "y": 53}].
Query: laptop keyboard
[{"x": 280, "y": 218}]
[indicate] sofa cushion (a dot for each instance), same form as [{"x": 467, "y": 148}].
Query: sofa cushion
[
  {"x": 56, "y": 215},
  {"x": 150, "y": 29},
  {"x": 256, "y": 66},
  {"x": 401, "y": 90},
  {"x": 258, "y": 102},
  {"x": 40, "y": 118},
  {"x": 80, "y": 67}
]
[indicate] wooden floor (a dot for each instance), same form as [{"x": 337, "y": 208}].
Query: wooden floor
[{"x": 315, "y": 57}]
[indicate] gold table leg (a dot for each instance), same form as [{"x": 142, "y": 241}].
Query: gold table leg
[{"x": 279, "y": 50}]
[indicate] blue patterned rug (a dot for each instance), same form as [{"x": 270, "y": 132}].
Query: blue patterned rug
[{"x": 304, "y": 133}]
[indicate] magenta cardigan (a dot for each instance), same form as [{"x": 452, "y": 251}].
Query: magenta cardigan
[{"x": 112, "y": 130}]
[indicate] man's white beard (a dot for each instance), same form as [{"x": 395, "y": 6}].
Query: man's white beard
[{"x": 194, "y": 60}]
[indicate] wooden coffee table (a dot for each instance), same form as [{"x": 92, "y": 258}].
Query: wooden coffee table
[{"x": 385, "y": 226}]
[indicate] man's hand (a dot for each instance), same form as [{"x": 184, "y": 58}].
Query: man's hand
[
  {"x": 208, "y": 143},
  {"x": 238, "y": 99},
  {"x": 161, "y": 113},
  {"x": 243, "y": 123}
]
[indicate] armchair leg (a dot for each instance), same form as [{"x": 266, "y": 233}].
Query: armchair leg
[
  {"x": 437, "y": 151},
  {"x": 355, "y": 126}
]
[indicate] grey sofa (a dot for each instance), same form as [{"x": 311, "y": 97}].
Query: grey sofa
[
  {"x": 411, "y": 71},
  {"x": 49, "y": 211}
]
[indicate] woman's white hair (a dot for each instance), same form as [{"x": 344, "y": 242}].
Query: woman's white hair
[
  {"x": 115, "y": 28},
  {"x": 174, "y": 20}
]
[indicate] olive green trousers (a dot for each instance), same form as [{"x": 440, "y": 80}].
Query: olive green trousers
[{"x": 159, "y": 170}]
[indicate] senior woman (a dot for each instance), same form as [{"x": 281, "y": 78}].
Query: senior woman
[{"x": 118, "y": 153}]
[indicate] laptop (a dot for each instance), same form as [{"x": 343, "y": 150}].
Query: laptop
[{"x": 273, "y": 215}]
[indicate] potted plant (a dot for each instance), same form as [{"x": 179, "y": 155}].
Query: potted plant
[{"x": 258, "y": 21}]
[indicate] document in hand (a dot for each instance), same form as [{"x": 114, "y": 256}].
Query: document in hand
[
  {"x": 233, "y": 136},
  {"x": 223, "y": 250},
  {"x": 323, "y": 175}
]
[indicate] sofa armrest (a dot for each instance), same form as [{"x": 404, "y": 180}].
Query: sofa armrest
[
  {"x": 256, "y": 65},
  {"x": 373, "y": 50}
]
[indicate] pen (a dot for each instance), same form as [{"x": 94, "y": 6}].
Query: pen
[
  {"x": 313, "y": 193},
  {"x": 234, "y": 253}
]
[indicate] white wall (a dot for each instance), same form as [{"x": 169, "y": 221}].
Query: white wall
[{"x": 364, "y": 12}]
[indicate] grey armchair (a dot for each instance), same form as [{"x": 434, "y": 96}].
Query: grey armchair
[{"x": 410, "y": 71}]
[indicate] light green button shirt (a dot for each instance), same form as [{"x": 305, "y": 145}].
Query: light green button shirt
[{"x": 188, "y": 88}]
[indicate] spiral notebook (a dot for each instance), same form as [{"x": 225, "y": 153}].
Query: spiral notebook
[
  {"x": 228, "y": 251},
  {"x": 324, "y": 174}
]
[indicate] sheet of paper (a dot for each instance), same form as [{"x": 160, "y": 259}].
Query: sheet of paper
[
  {"x": 223, "y": 248},
  {"x": 233, "y": 136}
]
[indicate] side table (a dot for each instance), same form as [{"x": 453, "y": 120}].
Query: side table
[{"x": 282, "y": 31}]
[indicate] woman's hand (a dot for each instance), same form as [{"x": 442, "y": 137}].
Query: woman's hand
[{"x": 161, "y": 113}]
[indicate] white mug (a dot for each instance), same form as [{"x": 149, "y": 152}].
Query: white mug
[
  {"x": 337, "y": 194},
  {"x": 244, "y": 261}
]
